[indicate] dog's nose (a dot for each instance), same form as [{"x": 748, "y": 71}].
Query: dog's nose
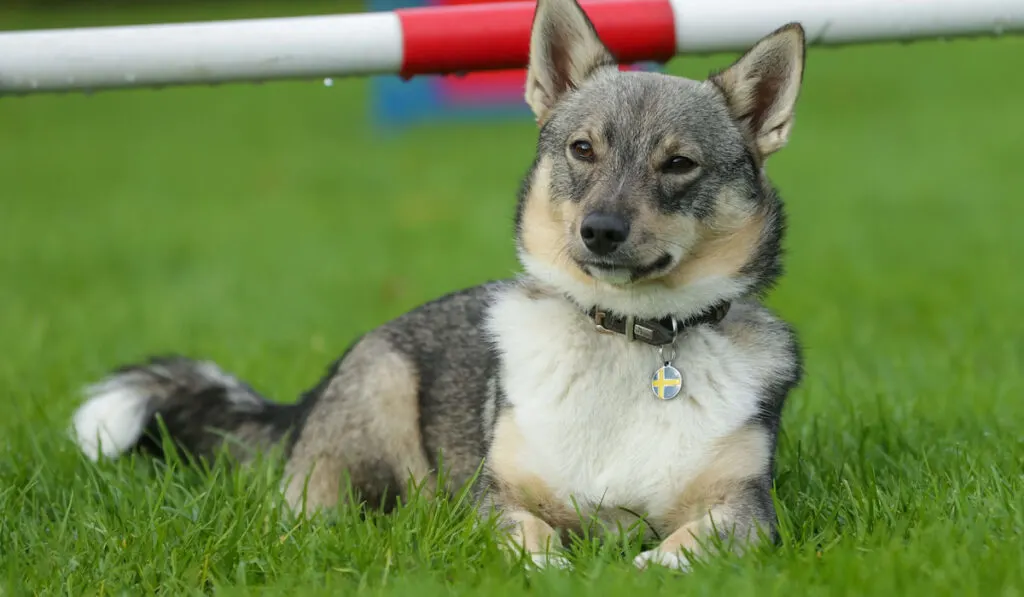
[{"x": 603, "y": 233}]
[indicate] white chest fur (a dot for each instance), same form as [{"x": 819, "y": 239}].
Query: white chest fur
[{"x": 592, "y": 429}]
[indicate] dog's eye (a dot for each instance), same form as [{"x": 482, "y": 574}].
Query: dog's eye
[
  {"x": 679, "y": 164},
  {"x": 582, "y": 150}
]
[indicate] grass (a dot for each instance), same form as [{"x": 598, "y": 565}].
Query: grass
[{"x": 265, "y": 227}]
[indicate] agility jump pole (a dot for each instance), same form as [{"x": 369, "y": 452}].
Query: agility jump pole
[{"x": 454, "y": 39}]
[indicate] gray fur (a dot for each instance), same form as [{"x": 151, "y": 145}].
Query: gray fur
[
  {"x": 635, "y": 112},
  {"x": 199, "y": 404},
  {"x": 427, "y": 384}
]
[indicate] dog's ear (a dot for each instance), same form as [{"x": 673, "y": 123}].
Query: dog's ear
[
  {"x": 564, "y": 51},
  {"x": 763, "y": 85}
]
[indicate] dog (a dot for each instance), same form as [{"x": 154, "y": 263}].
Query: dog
[{"x": 630, "y": 370}]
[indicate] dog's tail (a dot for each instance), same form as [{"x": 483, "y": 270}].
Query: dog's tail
[{"x": 201, "y": 407}]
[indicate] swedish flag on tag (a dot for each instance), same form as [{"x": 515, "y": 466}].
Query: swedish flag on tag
[{"x": 667, "y": 382}]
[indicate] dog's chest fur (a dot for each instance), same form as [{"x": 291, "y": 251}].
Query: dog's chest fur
[{"x": 592, "y": 430}]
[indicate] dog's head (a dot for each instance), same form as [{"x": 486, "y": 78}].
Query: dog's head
[{"x": 647, "y": 195}]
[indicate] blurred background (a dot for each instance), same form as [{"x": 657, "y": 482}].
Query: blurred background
[{"x": 266, "y": 225}]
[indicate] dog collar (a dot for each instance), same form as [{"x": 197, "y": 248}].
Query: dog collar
[{"x": 656, "y": 332}]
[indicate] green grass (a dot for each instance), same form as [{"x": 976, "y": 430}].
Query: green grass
[{"x": 265, "y": 227}]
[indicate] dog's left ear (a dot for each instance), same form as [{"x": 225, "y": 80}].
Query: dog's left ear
[
  {"x": 763, "y": 85},
  {"x": 564, "y": 51}
]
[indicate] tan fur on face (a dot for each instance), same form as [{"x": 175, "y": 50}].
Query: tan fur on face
[
  {"x": 725, "y": 245},
  {"x": 517, "y": 489},
  {"x": 546, "y": 226},
  {"x": 719, "y": 248},
  {"x": 682, "y": 231}
]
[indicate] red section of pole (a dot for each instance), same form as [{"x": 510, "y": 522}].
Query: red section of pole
[{"x": 474, "y": 37}]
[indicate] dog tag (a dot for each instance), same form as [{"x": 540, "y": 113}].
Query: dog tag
[{"x": 667, "y": 382}]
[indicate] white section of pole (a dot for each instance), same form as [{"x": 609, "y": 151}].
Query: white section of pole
[
  {"x": 734, "y": 25},
  {"x": 197, "y": 53}
]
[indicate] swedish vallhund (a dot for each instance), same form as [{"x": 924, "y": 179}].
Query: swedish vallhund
[{"x": 630, "y": 370}]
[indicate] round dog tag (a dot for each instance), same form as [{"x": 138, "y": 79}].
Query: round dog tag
[{"x": 667, "y": 382}]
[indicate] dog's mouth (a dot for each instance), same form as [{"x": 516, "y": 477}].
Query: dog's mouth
[{"x": 622, "y": 272}]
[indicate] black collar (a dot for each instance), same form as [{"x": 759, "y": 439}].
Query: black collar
[{"x": 656, "y": 332}]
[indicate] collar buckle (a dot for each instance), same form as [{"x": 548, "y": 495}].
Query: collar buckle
[{"x": 599, "y": 319}]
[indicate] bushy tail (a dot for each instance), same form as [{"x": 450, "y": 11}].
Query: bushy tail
[{"x": 201, "y": 407}]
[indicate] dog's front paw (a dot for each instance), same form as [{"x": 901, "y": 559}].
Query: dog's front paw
[
  {"x": 550, "y": 560},
  {"x": 675, "y": 561}
]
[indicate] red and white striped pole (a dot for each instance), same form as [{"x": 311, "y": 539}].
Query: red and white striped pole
[{"x": 453, "y": 39}]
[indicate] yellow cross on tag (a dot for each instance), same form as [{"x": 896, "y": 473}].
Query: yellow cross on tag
[{"x": 667, "y": 382}]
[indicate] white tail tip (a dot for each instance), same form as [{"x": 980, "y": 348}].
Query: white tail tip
[{"x": 111, "y": 421}]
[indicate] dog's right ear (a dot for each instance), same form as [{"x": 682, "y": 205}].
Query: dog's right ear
[{"x": 564, "y": 51}]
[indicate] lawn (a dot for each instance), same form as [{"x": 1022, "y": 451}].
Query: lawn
[{"x": 266, "y": 226}]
